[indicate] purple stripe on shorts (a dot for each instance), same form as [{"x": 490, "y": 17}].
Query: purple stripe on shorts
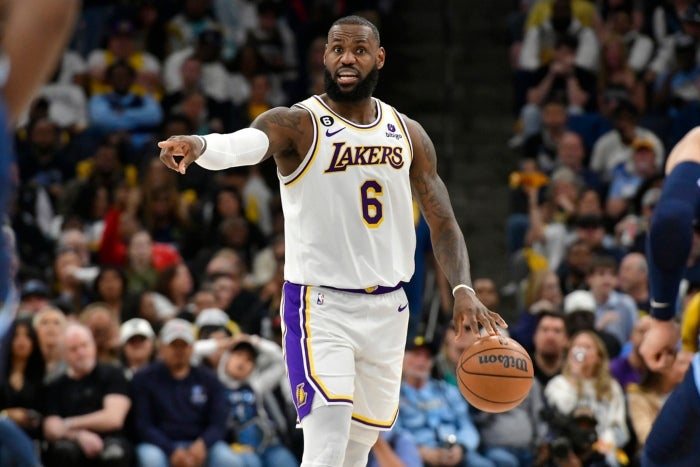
[{"x": 294, "y": 310}]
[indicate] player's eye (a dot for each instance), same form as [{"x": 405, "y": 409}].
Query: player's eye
[
  {"x": 360, "y": 51},
  {"x": 338, "y": 50}
]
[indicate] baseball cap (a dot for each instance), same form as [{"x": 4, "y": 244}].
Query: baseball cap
[
  {"x": 135, "y": 327},
  {"x": 643, "y": 143},
  {"x": 34, "y": 287},
  {"x": 212, "y": 317},
  {"x": 177, "y": 329},
  {"x": 579, "y": 300},
  {"x": 420, "y": 342}
]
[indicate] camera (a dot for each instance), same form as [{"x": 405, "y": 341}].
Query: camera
[{"x": 575, "y": 432}]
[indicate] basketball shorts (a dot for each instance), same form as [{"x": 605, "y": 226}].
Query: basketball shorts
[{"x": 345, "y": 348}]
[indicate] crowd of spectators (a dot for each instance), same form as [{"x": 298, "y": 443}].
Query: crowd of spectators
[{"x": 149, "y": 329}]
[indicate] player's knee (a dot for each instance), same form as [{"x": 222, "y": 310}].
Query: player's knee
[
  {"x": 670, "y": 232},
  {"x": 330, "y": 453}
]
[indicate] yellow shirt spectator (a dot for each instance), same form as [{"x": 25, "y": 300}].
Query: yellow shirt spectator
[{"x": 582, "y": 10}]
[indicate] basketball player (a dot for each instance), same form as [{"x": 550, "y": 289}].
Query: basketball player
[
  {"x": 348, "y": 165},
  {"x": 34, "y": 33},
  {"x": 675, "y": 435}
]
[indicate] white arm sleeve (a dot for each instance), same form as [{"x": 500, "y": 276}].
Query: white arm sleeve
[{"x": 243, "y": 147}]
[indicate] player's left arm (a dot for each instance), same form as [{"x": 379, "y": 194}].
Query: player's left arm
[{"x": 448, "y": 242}]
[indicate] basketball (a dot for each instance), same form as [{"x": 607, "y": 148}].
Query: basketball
[{"x": 495, "y": 374}]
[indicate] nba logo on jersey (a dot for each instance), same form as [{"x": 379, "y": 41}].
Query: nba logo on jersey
[
  {"x": 300, "y": 395},
  {"x": 320, "y": 298}
]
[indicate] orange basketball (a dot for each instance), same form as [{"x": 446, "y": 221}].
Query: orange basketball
[{"x": 495, "y": 374}]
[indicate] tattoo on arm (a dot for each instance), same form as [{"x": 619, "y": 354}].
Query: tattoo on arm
[{"x": 430, "y": 191}]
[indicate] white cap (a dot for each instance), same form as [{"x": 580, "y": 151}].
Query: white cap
[
  {"x": 177, "y": 329},
  {"x": 212, "y": 317},
  {"x": 579, "y": 300},
  {"x": 135, "y": 327}
]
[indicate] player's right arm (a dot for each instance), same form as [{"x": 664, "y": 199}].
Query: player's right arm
[{"x": 284, "y": 133}]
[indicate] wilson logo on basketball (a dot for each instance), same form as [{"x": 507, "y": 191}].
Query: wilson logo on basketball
[{"x": 507, "y": 361}]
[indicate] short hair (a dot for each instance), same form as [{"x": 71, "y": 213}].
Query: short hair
[
  {"x": 605, "y": 262},
  {"x": 359, "y": 21}
]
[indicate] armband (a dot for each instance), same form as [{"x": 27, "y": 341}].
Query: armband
[
  {"x": 463, "y": 286},
  {"x": 240, "y": 148}
]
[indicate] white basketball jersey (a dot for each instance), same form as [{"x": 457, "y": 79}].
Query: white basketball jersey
[{"x": 347, "y": 207}]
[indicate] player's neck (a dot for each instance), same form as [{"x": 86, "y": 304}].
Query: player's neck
[{"x": 361, "y": 112}]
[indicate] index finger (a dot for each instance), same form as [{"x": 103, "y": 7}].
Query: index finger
[{"x": 167, "y": 154}]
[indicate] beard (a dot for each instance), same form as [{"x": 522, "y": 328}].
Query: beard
[{"x": 362, "y": 90}]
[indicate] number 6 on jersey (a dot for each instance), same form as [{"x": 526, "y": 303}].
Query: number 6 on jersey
[{"x": 371, "y": 206}]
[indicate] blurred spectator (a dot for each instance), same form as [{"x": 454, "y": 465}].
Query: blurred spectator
[
  {"x": 633, "y": 279},
  {"x": 179, "y": 409},
  {"x": 571, "y": 153},
  {"x": 447, "y": 358},
  {"x": 250, "y": 385},
  {"x": 34, "y": 296},
  {"x": 121, "y": 109},
  {"x": 175, "y": 284},
  {"x": 49, "y": 324},
  {"x": 580, "y": 310},
  {"x": 550, "y": 343},
  {"x": 88, "y": 405},
  {"x": 22, "y": 396},
  {"x": 273, "y": 39},
  {"x": 542, "y": 294},
  {"x": 258, "y": 101},
  {"x": 487, "y": 292},
  {"x": 218, "y": 108},
  {"x": 110, "y": 288},
  {"x": 617, "y": 78},
  {"x": 266, "y": 263},
  {"x": 70, "y": 293},
  {"x": 180, "y": 72},
  {"x": 215, "y": 333},
  {"x": 572, "y": 271},
  {"x": 591, "y": 230},
  {"x": 628, "y": 368},
  {"x": 615, "y": 146},
  {"x": 241, "y": 305},
  {"x": 395, "y": 448},
  {"x": 247, "y": 64},
  {"x": 542, "y": 146},
  {"x": 435, "y": 412},
  {"x": 138, "y": 348},
  {"x": 540, "y": 40},
  {"x": 563, "y": 79},
  {"x": 582, "y": 10},
  {"x": 628, "y": 177},
  {"x": 104, "y": 326},
  {"x": 620, "y": 22},
  {"x": 616, "y": 312},
  {"x": 646, "y": 399},
  {"x": 73, "y": 69},
  {"x": 585, "y": 382},
  {"x": 236, "y": 17},
  {"x": 67, "y": 104},
  {"x": 122, "y": 47},
  {"x": 184, "y": 27}
]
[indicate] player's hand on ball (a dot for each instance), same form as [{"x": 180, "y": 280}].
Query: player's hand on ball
[
  {"x": 468, "y": 310},
  {"x": 189, "y": 147}
]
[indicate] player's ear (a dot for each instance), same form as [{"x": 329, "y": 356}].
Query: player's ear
[{"x": 381, "y": 56}]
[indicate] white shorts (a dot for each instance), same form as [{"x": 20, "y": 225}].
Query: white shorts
[{"x": 345, "y": 348}]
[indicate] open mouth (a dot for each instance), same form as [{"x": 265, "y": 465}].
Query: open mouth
[{"x": 347, "y": 77}]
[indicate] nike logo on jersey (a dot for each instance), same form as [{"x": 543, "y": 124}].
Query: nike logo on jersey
[
  {"x": 330, "y": 133},
  {"x": 401, "y": 308},
  {"x": 656, "y": 304}
]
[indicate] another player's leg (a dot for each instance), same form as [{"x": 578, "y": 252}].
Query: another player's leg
[
  {"x": 675, "y": 435},
  {"x": 671, "y": 235}
]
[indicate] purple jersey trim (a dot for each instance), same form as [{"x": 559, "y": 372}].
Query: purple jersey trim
[{"x": 303, "y": 383}]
